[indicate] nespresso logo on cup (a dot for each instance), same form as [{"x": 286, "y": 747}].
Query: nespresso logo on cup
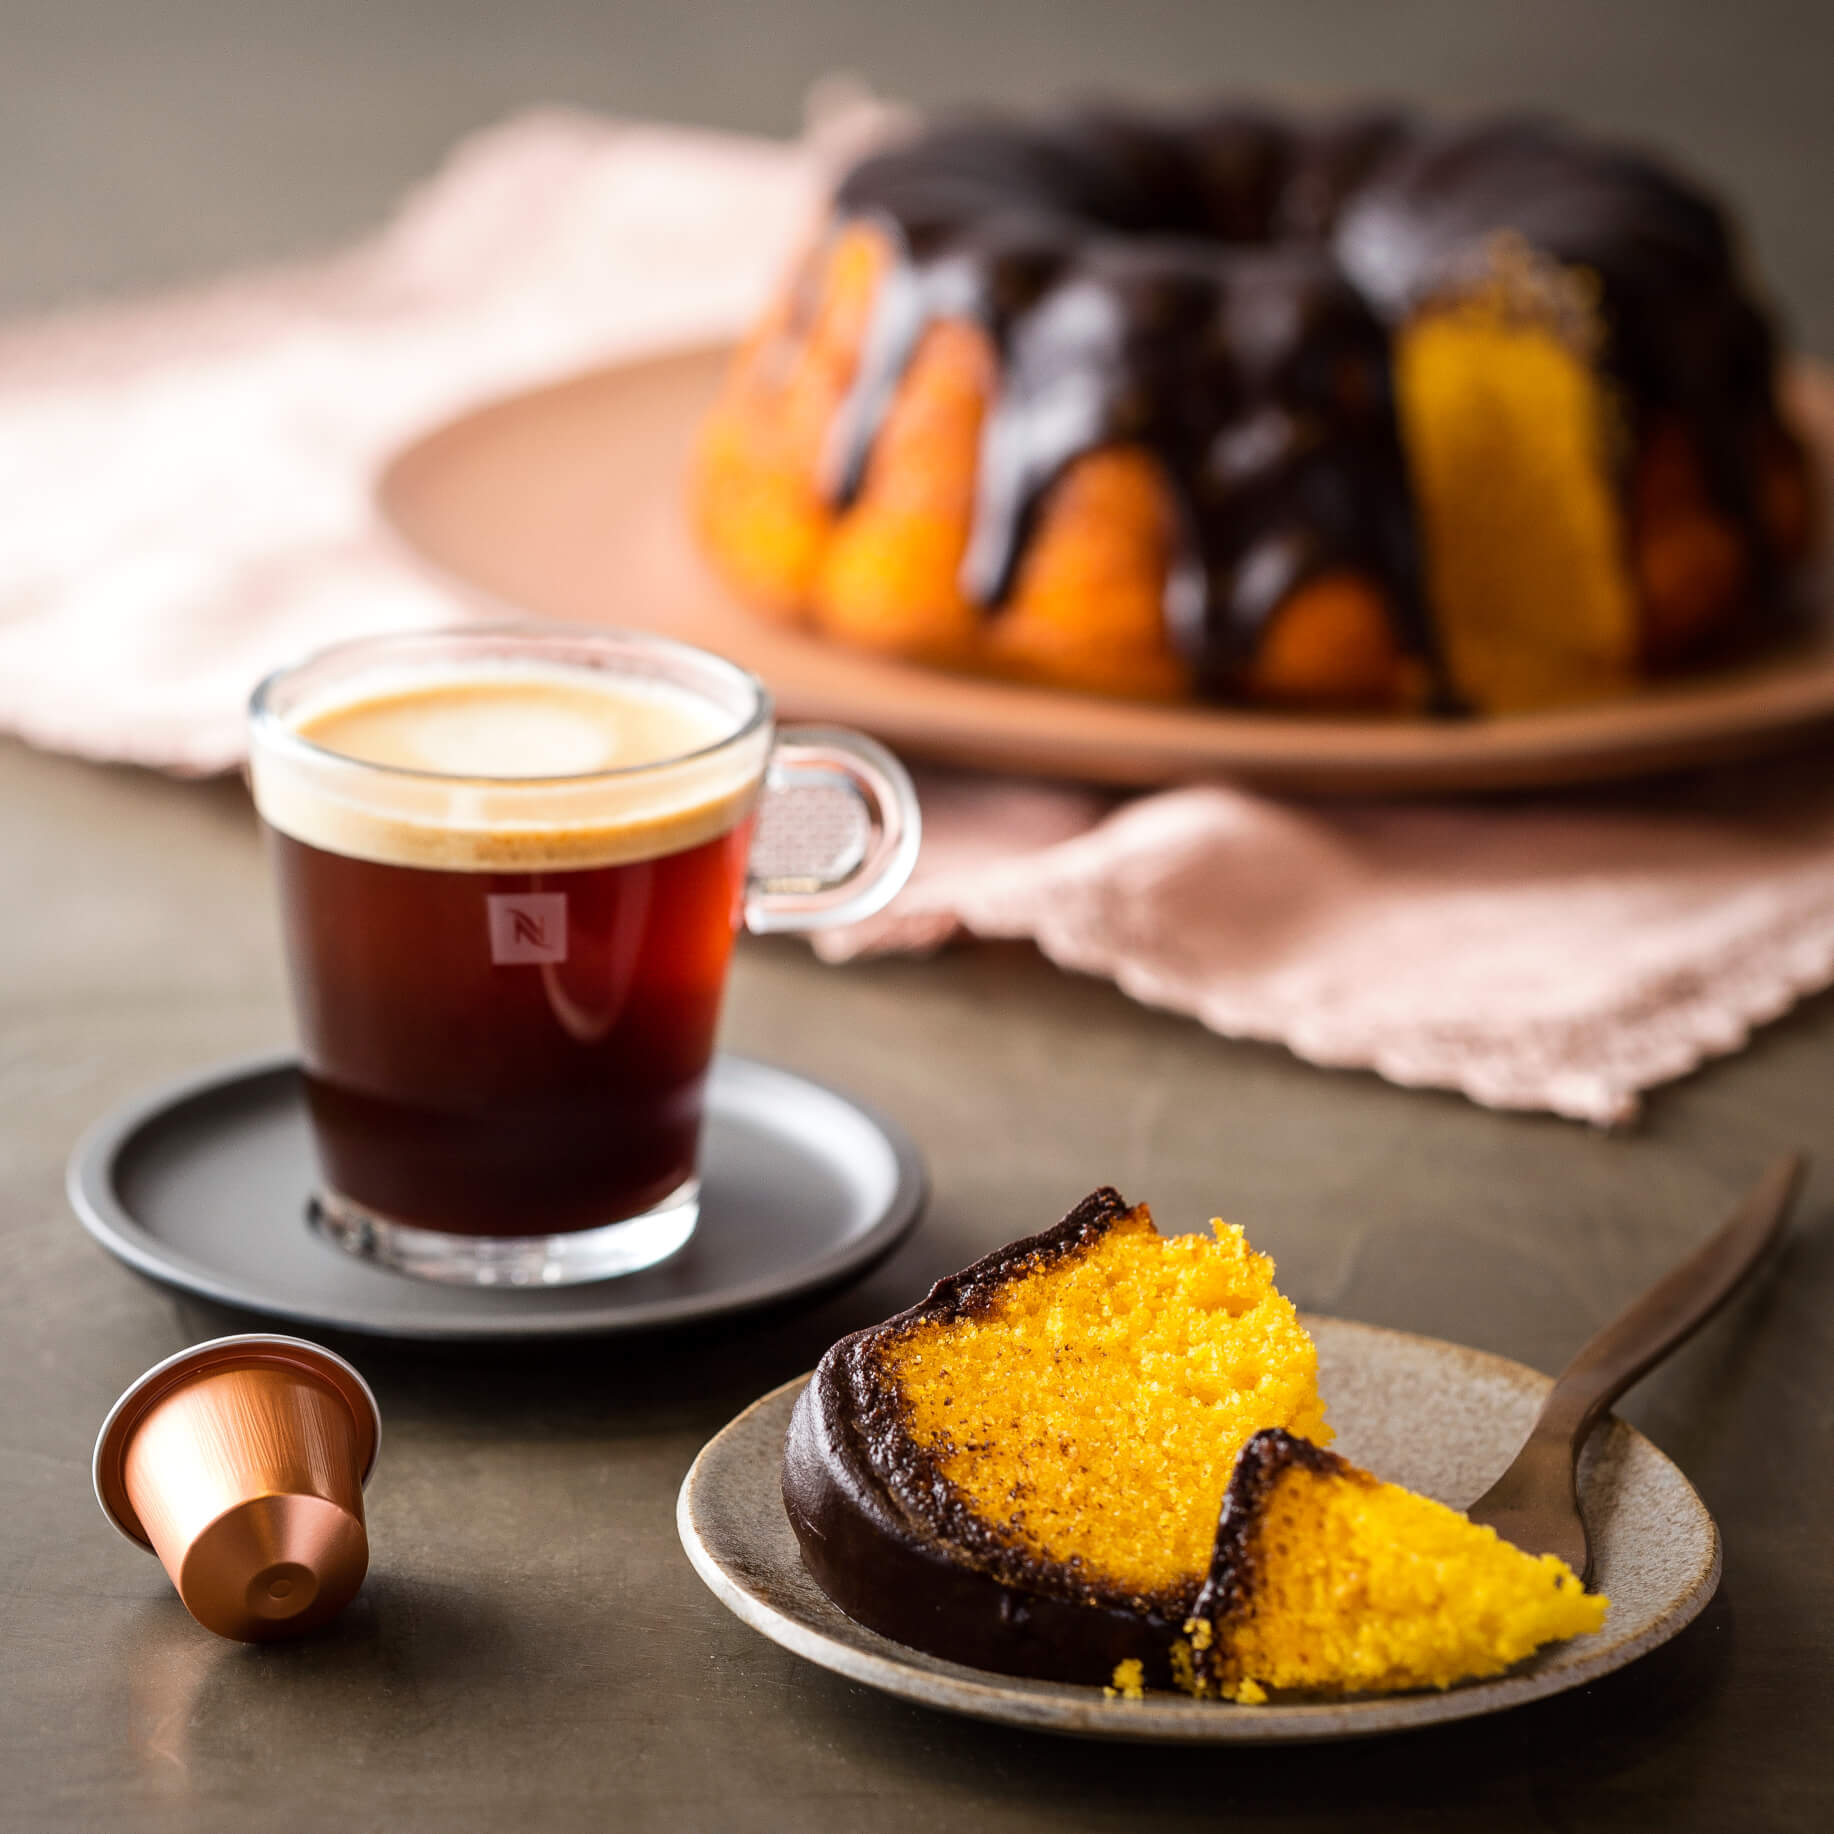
[{"x": 527, "y": 927}]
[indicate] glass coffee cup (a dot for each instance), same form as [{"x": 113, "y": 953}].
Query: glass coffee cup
[{"x": 511, "y": 863}]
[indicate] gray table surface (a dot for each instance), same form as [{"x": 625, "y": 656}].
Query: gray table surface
[{"x": 532, "y": 1650}]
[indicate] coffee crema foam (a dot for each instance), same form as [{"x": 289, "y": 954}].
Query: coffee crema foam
[{"x": 508, "y": 769}]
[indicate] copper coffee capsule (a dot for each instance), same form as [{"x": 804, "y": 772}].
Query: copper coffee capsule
[{"x": 241, "y": 1464}]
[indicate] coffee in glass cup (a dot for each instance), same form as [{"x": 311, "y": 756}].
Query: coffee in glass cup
[{"x": 511, "y": 863}]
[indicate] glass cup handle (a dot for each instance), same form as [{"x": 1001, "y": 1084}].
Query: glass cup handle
[{"x": 851, "y": 791}]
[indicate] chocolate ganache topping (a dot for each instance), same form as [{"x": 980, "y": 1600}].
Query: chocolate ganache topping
[
  {"x": 1222, "y": 287},
  {"x": 1235, "y": 1566},
  {"x": 887, "y": 1538}
]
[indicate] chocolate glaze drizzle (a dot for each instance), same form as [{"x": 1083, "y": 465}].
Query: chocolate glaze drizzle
[
  {"x": 912, "y": 1474},
  {"x": 1235, "y": 1567},
  {"x": 1221, "y": 288},
  {"x": 890, "y": 1541}
]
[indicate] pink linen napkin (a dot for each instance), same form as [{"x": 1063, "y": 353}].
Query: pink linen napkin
[
  {"x": 185, "y": 501},
  {"x": 185, "y": 484},
  {"x": 1562, "y": 957}
]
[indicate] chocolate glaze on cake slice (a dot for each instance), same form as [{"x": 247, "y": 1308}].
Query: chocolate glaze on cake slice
[
  {"x": 895, "y": 1542},
  {"x": 1076, "y": 1460}
]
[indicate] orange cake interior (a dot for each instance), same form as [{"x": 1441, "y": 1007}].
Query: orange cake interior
[
  {"x": 1328, "y": 1580},
  {"x": 1137, "y": 1371}
]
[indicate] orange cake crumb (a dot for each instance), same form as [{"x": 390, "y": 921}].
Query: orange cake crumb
[{"x": 1135, "y": 1371}]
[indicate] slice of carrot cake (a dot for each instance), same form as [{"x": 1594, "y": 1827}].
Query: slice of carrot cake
[{"x": 1025, "y": 1472}]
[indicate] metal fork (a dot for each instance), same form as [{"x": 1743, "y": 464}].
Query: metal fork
[{"x": 1535, "y": 1503}]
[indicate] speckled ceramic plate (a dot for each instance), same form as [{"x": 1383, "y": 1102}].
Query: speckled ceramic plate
[
  {"x": 1434, "y": 1416},
  {"x": 203, "y": 1184}
]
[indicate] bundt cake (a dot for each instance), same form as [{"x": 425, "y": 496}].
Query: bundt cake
[
  {"x": 1025, "y": 1472},
  {"x": 1361, "y": 413}
]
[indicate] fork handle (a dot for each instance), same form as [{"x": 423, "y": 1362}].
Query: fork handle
[{"x": 1668, "y": 1314}]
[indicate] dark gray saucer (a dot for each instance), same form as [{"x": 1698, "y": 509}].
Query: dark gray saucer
[{"x": 203, "y": 1183}]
